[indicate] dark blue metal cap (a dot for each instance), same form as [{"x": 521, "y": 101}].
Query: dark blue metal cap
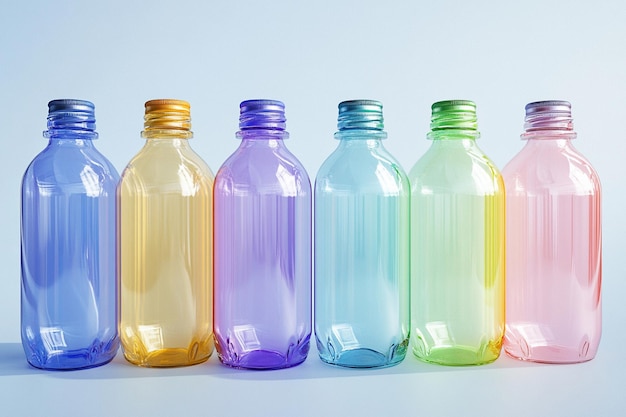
[{"x": 70, "y": 114}]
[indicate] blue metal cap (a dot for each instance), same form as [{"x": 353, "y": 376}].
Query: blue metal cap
[{"x": 360, "y": 114}]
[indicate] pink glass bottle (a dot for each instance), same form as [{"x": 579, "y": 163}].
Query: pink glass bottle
[{"x": 554, "y": 243}]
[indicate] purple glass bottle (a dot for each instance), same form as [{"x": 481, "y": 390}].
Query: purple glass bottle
[{"x": 262, "y": 246}]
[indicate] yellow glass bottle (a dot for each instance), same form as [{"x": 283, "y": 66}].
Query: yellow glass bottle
[{"x": 165, "y": 244}]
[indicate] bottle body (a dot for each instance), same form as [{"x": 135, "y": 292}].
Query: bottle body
[
  {"x": 457, "y": 253},
  {"x": 554, "y": 252},
  {"x": 69, "y": 286},
  {"x": 165, "y": 239},
  {"x": 361, "y": 252},
  {"x": 262, "y": 254}
]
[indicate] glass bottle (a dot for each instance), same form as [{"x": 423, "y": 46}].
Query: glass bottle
[
  {"x": 262, "y": 246},
  {"x": 68, "y": 286},
  {"x": 457, "y": 244},
  {"x": 165, "y": 238},
  {"x": 361, "y": 245},
  {"x": 554, "y": 243}
]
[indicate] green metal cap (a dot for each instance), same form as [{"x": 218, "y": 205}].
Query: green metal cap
[{"x": 454, "y": 114}]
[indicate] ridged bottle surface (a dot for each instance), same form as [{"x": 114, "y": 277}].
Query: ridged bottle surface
[
  {"x": 554, "y": 243},
  {"x": 457, "y": 244},
  {"x": 361, "y": 246},
  {"x": 69, "y": 287},
  {"x": 165, "y": 238},
  {"x": 262, "y": 247}
]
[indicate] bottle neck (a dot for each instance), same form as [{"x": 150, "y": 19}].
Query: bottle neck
[
  {"x": 360, "y": 135},
  {"x": 262, "y": 137},
  {"x": 167, "y": 142},
  {"x": 70, "y": 140},
  {"x": 562, "y": 136},
  {"x": 70, "y": 119},
  {"x": 453, "y": 135},
  {"x": 549, "y": 120},
  {"x": 166, "y": 134}
]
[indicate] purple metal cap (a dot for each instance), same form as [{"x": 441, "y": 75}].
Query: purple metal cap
[
  {"x": 548, "y": 115},
  {"x": 262, "y": 114}
]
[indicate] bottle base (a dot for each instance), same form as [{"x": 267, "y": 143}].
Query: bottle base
[
  {"x": 364, "y": 359},
  {"x": 73, "y": 360},
  {"x": 167, "y": 358},
  {"x": 136, "y": 353},
  {"x": 261, "y": 359},
  {"x": 458, "y": 355},
  {"x": 551, "y": 354}
]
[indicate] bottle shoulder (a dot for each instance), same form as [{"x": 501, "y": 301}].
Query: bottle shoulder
[
  {"x": 262, "y": 171},
  {"x": 457, "y": 169},
  {"x": 361, "y": 171},
  {"x": 72, "y": 166},
  {"x": 166, "y": 170},
  {"x": 558, "y": 169},
  {"x": 165, "y": 162}
]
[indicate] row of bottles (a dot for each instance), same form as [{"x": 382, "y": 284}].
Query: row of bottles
[{"x": 175, "y": 258}]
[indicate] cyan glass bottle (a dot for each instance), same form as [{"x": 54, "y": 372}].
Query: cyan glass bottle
[
  {"x": 457, "y": 244},
  {"x": 262, "y": 246},
  {"x": 361, "y": 245},
  {"x": 69, "y": 287}
]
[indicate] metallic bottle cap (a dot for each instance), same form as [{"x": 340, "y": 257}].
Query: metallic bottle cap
[
  {"x": 70, "y": 114},
  {"x": 262, "y": 114},
  {"x": 454, "y": 114},
  {"x": 360, "y": 114},
  {"x": 167, "y": 115},
  {"x": 548, "y": 115}
]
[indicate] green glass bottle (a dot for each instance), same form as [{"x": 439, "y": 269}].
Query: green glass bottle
[{"x": 457, "y": 244}]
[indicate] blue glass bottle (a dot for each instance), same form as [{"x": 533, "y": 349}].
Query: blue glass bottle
[
  {"x": 69, "y": 286},
  {"x": 361, "y": 246}
]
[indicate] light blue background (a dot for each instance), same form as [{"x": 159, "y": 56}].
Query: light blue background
[{"x": 313, "y": 55}]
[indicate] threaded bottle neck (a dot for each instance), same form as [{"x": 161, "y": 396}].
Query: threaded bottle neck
[
  {"x": 548, "y": 115},
  {"x": 167, "y": 118},
  {"x": 262, "y": 119},
  {"x": 71, "y": 118},
  {"x": 454, "y": 119},
  {"x": 360, "y": 119}
]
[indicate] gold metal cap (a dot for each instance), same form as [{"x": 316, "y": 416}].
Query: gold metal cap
[{"x": 167, "y": 116}]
